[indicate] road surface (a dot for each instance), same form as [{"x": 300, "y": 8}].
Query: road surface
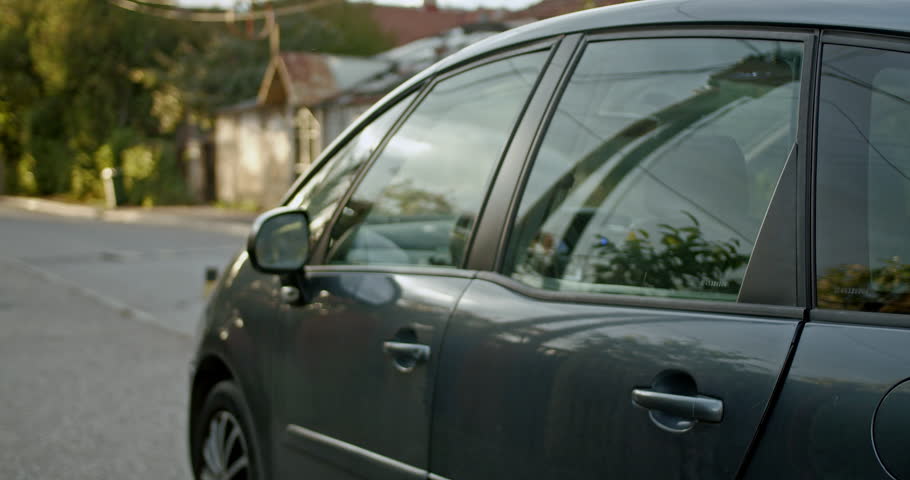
[{"x": 95, "y": 334}]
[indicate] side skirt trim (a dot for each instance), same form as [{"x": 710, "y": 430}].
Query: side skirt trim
[{"x": 350, "y": 456}]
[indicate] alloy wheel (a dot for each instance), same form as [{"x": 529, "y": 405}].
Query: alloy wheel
[{"x": 224, "y": 450}]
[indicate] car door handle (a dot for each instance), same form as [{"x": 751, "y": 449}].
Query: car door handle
[
  {"x": 406, "y": 355},
  {"x": 699, "y": 407}
]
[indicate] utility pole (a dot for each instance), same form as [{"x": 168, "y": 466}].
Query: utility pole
[{"x": 274, "y": 36}]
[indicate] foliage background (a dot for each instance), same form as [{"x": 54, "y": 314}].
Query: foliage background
[{"x": 85, "y": 85}]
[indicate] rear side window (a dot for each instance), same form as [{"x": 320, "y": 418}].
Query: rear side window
[
  {"x": 658, "y": 167},
  {"x": 863, "y": 180},
  {"x": 418, "y": 202}
]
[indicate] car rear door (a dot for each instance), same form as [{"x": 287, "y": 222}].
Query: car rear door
[
  {"x": 844, "y": 411},
  {"x": 645, "y": 293},
  {"x": 361, "y": 350}
]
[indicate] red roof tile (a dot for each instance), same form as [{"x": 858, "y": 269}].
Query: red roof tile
[
  {"x": 552, "y": 8},
  {"x": 408, "y": 24},
  {"x": 311, "y": 71}
]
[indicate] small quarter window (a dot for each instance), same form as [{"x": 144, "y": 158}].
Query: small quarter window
[
  {"x": 324, "y": 190},
  {"x": 658, "y": 167}
]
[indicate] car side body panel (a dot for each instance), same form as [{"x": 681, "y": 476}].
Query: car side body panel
[
  {"x": 346, "y": 407},
  {"x": 822, "y": 425},
  {"x": 237, "y": 328},
  {"x": 543, "y": 389}
]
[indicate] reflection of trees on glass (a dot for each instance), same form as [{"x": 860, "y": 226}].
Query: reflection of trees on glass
[
  {"x": 674, "y": 258},
  {"x": 659, "y": 137},
  {"x": 680, "y": 259},
  {"x": 405, "y": 199},
  {"x": 857, "y": 287},
  {"x": 751, "y": 78}
]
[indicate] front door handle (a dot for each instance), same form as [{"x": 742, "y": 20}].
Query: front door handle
[
  {"x": 405, "y": 355},
  {"x": 698, "y": 407}
]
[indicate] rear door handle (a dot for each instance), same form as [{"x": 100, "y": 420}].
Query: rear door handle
[
  {"x": 406, "y": 356},
  {"x": 699, "y": 407}
]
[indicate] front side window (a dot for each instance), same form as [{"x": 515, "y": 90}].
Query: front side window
[
  {"x": 863, "y": 180},
  {"x": 319, "y": 197},
  {"x": 418, "y": 202},
  {"x": 657, "y": 168}
]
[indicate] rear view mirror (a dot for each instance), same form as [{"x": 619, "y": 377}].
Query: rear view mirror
[{"x": 280, "y": 241}]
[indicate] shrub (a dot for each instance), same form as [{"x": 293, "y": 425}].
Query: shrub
[{"x": 151, "y": 174}]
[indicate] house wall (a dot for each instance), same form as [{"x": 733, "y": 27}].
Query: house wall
[
  {"x": 334, "y": 118},
  {"x": 254, "y": 156}
]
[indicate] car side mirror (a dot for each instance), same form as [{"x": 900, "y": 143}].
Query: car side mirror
[{"x": 280, "y": 241}]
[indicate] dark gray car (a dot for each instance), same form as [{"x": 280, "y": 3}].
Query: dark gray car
[{"x": 668, "y": 239}]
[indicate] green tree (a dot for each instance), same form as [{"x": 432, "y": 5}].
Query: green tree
[{"x": 82, "y": 82}]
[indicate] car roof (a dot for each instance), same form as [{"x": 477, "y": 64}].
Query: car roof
[{"x": 878, "y": 15}]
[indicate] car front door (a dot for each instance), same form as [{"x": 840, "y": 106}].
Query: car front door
[
  {"x": 643, "y": 309},
  {"x": 362, "y": 348}
]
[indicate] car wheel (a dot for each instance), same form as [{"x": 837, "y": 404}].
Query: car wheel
[{"x": 223, "y": 440}]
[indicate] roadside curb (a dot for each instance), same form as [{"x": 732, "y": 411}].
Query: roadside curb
[
  {"x": 233, "y": 225},
  {"x": 52, "y": 207}
]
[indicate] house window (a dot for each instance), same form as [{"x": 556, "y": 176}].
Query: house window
[{"x": 309, "y": 137}]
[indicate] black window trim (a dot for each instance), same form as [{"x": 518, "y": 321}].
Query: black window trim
[
  {"x": 856, "y": 317},
  {"x": 865, "y": 40},
  {"x": 486, "y": 241},
  {"x": 505, "y": 192},
  {"x": 535, "y": 133},
  {"x": 857, "y": 39},
  {"x": 321, "y": 250},
  {"x": 427, "y": 270},
  {"x": 663, "y": 303},
  {"x": 747, "y": 32}
]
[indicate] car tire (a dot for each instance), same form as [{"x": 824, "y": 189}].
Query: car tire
[{"x": 223, "y": 441}]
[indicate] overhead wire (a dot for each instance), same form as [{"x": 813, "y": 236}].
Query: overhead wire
[{"x": 225, "y": 16}]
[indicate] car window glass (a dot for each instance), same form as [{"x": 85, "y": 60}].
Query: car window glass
[
  {"x": 323, "y": 191},
  {"x": 417, "y": 203},
  {"x": 657, "y": 167},
  {"x": 863, "y": 181}
]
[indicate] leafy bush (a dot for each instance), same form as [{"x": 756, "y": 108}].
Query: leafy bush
[
  {"x": 151, "y": 175},
  {"x": 682, "y": 260},
  {"x": 51, "y": 165}
]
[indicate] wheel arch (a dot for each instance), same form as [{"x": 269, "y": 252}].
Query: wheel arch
[{"x": 210, "y": 370}]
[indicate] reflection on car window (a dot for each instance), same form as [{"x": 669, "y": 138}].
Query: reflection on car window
[
  {"x": 321, "y": 194},
  {"x": 863, "y": 211},
  {"x": 418, "y": 202},
  {"x": 658, "y": 167}
]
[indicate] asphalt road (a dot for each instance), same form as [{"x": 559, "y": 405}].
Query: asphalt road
[{"x": 95, "y": 324}]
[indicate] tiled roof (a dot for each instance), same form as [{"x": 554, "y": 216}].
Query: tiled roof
[
  {"x": 552, "y": 8},
  {"x": 423, "y": 35},
  {"x": 300, "y": 78},
  {"x": 309, "y": 75},
  {"x": 406, "y": 24}
]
